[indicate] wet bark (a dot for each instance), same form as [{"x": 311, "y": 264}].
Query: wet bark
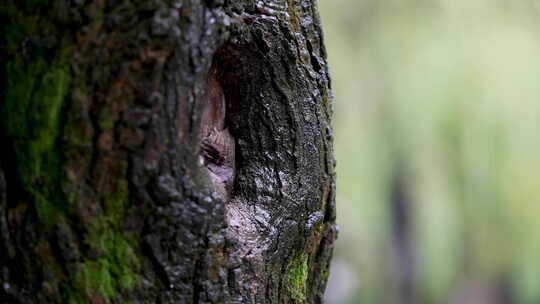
[{"x": 164, "y": 152}]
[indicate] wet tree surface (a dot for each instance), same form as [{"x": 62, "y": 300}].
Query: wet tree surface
[{"x": 164, "y": 152}]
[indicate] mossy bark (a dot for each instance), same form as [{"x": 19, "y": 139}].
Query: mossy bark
[{"x": 104, "y": 197}]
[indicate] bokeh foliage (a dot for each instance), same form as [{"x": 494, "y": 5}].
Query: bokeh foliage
[{"x": 445, "y": 94}]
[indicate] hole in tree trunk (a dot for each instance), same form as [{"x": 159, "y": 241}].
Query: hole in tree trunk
[{"x": 221, "y": 101}]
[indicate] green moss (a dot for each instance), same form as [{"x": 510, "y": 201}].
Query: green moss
[
  {"x": 73, "y": 298},
  {"x": 94, "y": 279},
  {"x": 114, "y": 270},
  {"x": 297, "y": 274},
  {"x": 118, "y": 263},
  {"x": 116, "y": 203},
  {"x": 106, "y": 121},
  {"x": 46, "y": 211},
  {"x": 36, "y": 91},
  {"x": 30, "y": 115},
  {"x": 105, "y": 277},
  {"x": 325, "y": 275}
]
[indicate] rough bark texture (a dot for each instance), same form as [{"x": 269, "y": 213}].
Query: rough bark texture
[{"x": 116, "y": 187}]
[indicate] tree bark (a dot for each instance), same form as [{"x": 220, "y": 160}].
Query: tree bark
[{"x": 160, "y": 151}]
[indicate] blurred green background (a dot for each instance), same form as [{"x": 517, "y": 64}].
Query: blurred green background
[{"x": 437, "y": 122}]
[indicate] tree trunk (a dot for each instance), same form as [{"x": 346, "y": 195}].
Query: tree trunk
[{"x": 160, "y": 151}]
